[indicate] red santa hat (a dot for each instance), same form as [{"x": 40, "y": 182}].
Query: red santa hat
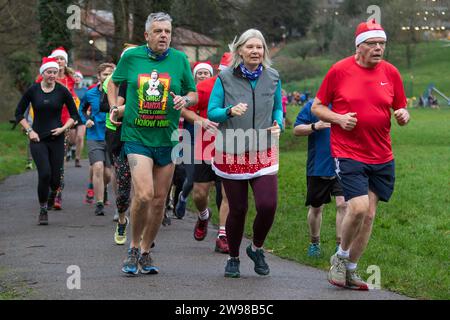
[
  {"x": 48, "y": 63},
  {"x": 367, "y": 30},
  {"x": 203, "y": 65},
  {"x": 225, "y": 62},
  {"x": 60, "y": 52}
]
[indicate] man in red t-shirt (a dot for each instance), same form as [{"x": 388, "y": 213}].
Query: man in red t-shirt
[{"x": 362, "y": 90}]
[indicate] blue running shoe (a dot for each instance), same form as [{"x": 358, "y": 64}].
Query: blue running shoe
[
  {"x": 130, "y": 265},
  {"x": 261, "y": 267},
  {"x": 314, "y": 250},
  {"x": 146, "y": 264},
  {"x": 232, "y": 268},
  {"x": 180, "y": 209}
]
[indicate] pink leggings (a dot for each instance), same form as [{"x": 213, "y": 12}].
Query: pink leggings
[{"x": 265, "y": 191}]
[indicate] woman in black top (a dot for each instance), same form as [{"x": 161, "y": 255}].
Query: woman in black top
[{"x": 47, "y": 133}]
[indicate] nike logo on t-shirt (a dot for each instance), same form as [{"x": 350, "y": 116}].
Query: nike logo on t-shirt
[{"x": 384, "y": 83}]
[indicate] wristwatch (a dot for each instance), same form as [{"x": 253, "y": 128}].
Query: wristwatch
[
  {"x": 188, "y": 101},
  {"x": 28, "y": 131},
  {"x": 313, "y": 127},
  {"x": 229, "y": 114}
]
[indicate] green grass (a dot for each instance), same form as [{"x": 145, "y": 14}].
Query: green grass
[
  {"x": 13, "y": 156},
  {"x": 410, "y": 242}
]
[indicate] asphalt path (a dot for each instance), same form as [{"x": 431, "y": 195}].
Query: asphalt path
[{"x": 40, "y": 261}]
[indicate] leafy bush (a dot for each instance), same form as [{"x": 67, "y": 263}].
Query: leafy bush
[{"x": 291, "y": 69}]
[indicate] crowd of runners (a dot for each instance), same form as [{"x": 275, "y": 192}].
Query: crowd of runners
[{"x": 158, "y": 132}]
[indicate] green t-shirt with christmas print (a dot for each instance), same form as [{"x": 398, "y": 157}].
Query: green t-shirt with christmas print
[{"x": 149, "y": 114}]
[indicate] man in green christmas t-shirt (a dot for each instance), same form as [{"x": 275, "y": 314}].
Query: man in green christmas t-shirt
[{"x": 160, "y": 84}]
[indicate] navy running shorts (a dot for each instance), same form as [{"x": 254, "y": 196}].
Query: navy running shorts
[{"x": 357, "y": 178}]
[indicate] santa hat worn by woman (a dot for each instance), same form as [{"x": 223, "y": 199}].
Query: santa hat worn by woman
[
  {"x": 60, "y": 52},
  {"x": 48, "y": 63}
]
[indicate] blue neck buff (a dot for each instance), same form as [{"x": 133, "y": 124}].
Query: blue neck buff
[
  {"x": 155, "y": 56},
  {"x": 251, "y": 75}
]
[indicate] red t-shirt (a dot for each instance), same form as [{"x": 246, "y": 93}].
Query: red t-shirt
[
  {"x": 204, "y": 140},
  {"x": 371, "y": 93}
]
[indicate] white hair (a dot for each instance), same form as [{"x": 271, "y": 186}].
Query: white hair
[
  {"x": 247, "y": 35},
  {"x": 158, "y": 16}
]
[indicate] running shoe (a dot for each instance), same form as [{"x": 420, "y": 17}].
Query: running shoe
[
  {"x": 58, "y": 201},
  {"x": 78, "y": 163},
  {"x": 338, "y": 271},
  {"x": 130, "y": 265},
  {"x": 120, "y": 236},
  {"x": 222, "y": 245},
  {"x": 180, "y": 209},
  {"x": 89, "y": 196},
  {"x": 314, "y": 250},
  {"x": 146, "y": 264},
  {"x": 354, "y": 281},
  {"x": 167, "y": 221},
  {"x": 232, "y": 268},
  {"x": 29, "y": 165},
  {"x": 43, "y": 217},
  {"x": 51, "y": 200},
  {"x": 99, "y": 209},
  {"x": 261, "y": 267},
  {"x": 201, "y": 228}
]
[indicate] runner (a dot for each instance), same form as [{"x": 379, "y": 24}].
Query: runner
[
  {"x": 362, "y": 90},
  {"x": 246, "y": 100},
  {"x": 65, "y": 77},
  {"x": 80, "y": 128},
  {"x": 160, "y": 83},
  {"x": 47, "y": 133},
  {"x": 96, "y": 126},
  {"x": 204, "y": 175},
  {"x": 322, "y": 182}
]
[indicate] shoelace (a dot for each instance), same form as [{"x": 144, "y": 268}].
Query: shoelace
[
  {"x": 355, "y": 276},
  {"x": 260, "y": 257},
  {"x": 133, "y": 255},
  {"x": 121, "y": 229}
]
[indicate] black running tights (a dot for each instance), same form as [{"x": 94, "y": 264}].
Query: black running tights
[{"x": 48, "y": 155}]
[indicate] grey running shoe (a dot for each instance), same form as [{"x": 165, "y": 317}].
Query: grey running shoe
[
  {"x": 167, "y": 221},
  {"x": 130, "y": 265},
  {"x": 232, "y": 268},
  {"x": 99, "y": 209},
  {"x": 146, "y": 264},
  {"x": 261, "y": 267},
  {"x": 338, "y": 271},
  {"x": 43, "y": 217},
  {"x": 354, "y": 281}
]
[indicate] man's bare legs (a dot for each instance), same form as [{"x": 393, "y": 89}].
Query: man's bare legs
[{"x": 162, "y": 177}]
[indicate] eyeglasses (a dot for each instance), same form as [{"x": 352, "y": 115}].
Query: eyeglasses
[{"x": 373, "y": 44}]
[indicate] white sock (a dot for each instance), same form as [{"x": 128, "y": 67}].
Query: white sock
[
  {"x": 351, "y": 266},
  {"x": 204, "y": 215},
  {"x": 222, "y": 232},
  {"x": 342, "y": 253}
]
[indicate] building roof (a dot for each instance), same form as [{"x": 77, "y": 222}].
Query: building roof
[{"x": 185, "y": 37}]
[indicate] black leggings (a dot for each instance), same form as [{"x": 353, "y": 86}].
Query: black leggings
[{"x": 48, "y": 155}]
